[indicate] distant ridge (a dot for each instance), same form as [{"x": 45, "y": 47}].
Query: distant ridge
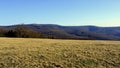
[{"x": 75, "y": 32}]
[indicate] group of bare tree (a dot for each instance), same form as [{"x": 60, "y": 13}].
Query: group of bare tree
[{"x": 20, "y": 31}]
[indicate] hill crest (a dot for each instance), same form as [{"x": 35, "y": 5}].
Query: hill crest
[{"x": 75, "y": 32}]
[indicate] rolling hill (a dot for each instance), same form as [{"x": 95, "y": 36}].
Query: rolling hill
[{"x": 75, "y": 32}]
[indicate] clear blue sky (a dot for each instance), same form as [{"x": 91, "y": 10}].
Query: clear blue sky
[{"x": 62, "y": 12}]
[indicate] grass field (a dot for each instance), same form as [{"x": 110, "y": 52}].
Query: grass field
[{"x": 46, "y": 53}]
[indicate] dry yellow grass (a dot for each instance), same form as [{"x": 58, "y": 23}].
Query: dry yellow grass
[{"x": 47, "y": 53}]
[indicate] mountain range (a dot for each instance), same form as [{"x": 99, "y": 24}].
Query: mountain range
[{"x": 74, "y": 32}]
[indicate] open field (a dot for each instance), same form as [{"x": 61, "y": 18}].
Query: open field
[{"x": 46, "y": 53}]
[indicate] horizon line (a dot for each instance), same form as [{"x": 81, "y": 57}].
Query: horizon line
[{"x": 56, "y": 24}]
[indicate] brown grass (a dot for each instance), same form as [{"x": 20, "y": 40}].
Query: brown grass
[{"x": 47, "y": 53}]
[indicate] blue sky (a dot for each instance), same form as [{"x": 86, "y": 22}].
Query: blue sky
[{"x": 62, "y": 12}]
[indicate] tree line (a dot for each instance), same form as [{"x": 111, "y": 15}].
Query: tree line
[{"x": 21, "y": 31}]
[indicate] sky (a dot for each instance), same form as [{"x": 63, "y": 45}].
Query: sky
[{"x": 62, "y": 12}]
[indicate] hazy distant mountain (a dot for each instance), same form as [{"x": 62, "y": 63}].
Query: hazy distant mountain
[{"x": 75, "y": 32}]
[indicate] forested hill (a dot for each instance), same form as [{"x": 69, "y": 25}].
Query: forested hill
[{"x": 62, "y": 32}]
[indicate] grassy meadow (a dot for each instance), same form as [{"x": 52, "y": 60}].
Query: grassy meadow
[{"x": 48, "y": 53}]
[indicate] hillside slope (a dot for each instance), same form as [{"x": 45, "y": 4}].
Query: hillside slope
[
  {"x": 75, "y": 32},
  {"x": 79, "y": 32}
]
